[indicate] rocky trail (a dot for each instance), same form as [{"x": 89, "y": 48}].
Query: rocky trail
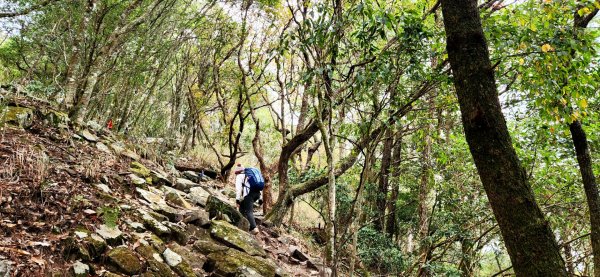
[{"x": 88, "y": 203}]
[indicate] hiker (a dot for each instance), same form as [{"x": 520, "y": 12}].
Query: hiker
[{"x": 248, "y": 185}]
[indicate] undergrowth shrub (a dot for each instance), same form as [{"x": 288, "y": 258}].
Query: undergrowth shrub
[{"x": 378, "y": 252}]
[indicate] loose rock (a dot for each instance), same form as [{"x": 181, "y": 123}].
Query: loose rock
[
  {"x": 5, "y": 268},
  {"x": 80, "y": 269},
  {"x": 173, "y": 259},
  {"x": 111, "y": 235},
  {"x": 125, "y": 260},
  {"x": 89, "y": 136}
]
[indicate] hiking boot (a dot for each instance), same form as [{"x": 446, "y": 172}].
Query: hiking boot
[{"x": 254, "y": 231}]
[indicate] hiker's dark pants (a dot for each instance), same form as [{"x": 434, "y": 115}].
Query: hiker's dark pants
[{"x": 247, "y": 207}]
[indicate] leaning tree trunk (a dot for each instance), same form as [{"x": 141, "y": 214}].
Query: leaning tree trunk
[
  {"x": 527, "y": 235},
  {"x": 584, "y": 160},
  {"x": 589, "y": 186}
]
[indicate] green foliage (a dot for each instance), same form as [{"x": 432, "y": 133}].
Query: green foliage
[{"x": 379, "y": 252}]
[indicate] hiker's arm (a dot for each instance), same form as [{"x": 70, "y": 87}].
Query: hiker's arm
[{"x": 239, "y": 180}]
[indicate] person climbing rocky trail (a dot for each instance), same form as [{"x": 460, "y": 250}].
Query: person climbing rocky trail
[{"x": 88, "y": 205}]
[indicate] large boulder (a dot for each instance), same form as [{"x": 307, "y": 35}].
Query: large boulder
[
  {"x": 199, "y": 196},
  {"x": 234, "y": 237},
  {"x": 175, "y": 199},
  {"x": 184, "y": 184},
  {"x": 125, "y": 260},
  {"x": 199, "y": 217},
  {"x": 19, "y": 116},
  {"x": 237, "y": 263},
  {"x": 216, "y": 206}
]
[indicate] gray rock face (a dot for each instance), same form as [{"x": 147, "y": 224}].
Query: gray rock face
[
  {"x": 176, "y": 199},
  {"x": 19, "y": 116},
  {"x": 136, "y": 226},
  {"x": 112, "y": 235},
  {"x": 130, "y": 154},
  {"x": 198, "y": 217},
  {"x": 160, "y": 178},
  {"x": 178, "y": 231},
  {"x": 184, "y": 184},
  {"x": 191, "y": 175},
  {"x": 155, "y": 262},
  {"x": 118, "y": 147},
  {"x": 94, "y": 125},
  {"x": 199, "y": 195},
  {"x": 209, "y": 246},
  {"x": 192, "y": 261}
]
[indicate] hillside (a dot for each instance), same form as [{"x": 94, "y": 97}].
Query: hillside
[{"x": 85, "y": 203}]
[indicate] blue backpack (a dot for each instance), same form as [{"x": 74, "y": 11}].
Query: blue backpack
[{"x": 255, "y": 179}]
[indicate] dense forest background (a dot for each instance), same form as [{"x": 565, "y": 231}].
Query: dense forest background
[{"x": 351, "y": 109}]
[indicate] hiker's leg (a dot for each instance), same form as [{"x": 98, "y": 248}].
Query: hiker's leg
[{"x": 247, "y": 210}]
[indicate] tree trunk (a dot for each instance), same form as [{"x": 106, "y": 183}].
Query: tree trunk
[
  {"x": 589, "y": 186},
  {"x": 569, "y": 260},
  {"x": 384, "y": 179},
  {"x": 425, "y": 191},
  {"x": 466, "y": 262},
  {"x": 584, "y": 161},
  {"x": 527, "y": 235},
  {"x": 395, "y": 172}
]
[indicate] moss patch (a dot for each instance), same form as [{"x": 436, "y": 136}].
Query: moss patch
[
  {"x": 236, "y": 263},
  {"x": 125, "y": 260},
  {"x": 140, "y": 170},
  {"x": 230, "y": 235}
]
